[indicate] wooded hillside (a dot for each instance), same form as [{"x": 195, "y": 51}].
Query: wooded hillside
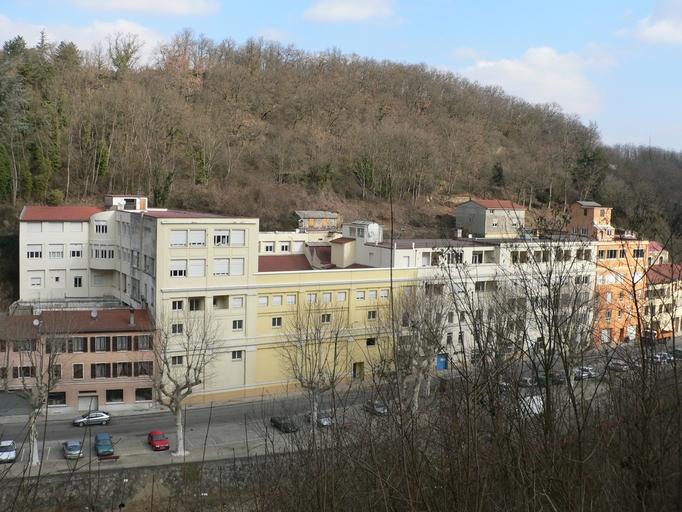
[{"x": 263, "y": 129}]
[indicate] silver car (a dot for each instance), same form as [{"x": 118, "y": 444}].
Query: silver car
[
  {"x": 376, "y": 407},
  {"x": 8, "y": 451},
  {"x": 72, "y": 449},
  {"x": 92, "y": 418},
  {"x": 323, "y": 419}
]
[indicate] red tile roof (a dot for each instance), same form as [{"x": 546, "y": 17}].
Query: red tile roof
[
  {"x": 663, "y": 273},
  {"x": 284, "y": 263},
  {"x": 58, "y": 213},
  {"x": 491, "y": 204},
  {"x": 76, "y": 322},
  {"x": 655, "y": 246},
  {"x": 323, "y": 253},
  {"x": 343, "y": 240}
]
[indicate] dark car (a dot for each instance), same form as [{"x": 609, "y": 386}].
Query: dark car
[
  {"x": 104, "y": 445},
  {"x": 618, "y": 365},
  {"x": 584, "y": 372},
  {"x": 556, "y": 377},
  {"x": 158, "y": 440},
  {"x": 92, "y": 418},
  {"x": 284, "y": 424}
]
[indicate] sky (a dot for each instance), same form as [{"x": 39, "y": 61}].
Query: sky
[{"x": 614, "y": 62}]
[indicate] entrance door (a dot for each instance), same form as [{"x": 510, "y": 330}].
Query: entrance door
[
  {"x": 442, "y": 362},
  {"x": 358, "y": 370},
  {"x": 88, "y": 403}
]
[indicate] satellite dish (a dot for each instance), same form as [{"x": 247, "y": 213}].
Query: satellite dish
[
  {"x": 370, "y": 233},
  {"x": 93, "y": 313},
  {"x": 36, "y": 322}
]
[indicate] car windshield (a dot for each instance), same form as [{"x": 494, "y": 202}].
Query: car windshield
[
  {"x": 73, "y": 446},
  {"x": 104, "y": 442},
  {"x": 7, "y": 448},
  {"x": 159, "y": 437}
]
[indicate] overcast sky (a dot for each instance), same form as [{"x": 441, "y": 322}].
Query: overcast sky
[{"x": 614, "y": 62}]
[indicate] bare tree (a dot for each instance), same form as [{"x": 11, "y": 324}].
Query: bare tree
[
  {"x": 186, "y": 345},
  {"x": 314, "y": 348}
]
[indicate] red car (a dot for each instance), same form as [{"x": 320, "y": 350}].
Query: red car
[{"x": 158, "y": 440}]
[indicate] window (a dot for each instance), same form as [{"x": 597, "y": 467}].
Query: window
[
  {"x": 176, "y": 329},
  {"x": 177, "y": 305},
  {"x": 221, "y": 237},
  {"x": 326, "y": 318},
  {"x": 221, "y": 267},
  {"x": 326, "y": 297},
  {"x": 36, "y": 281},
  {"x": 114, "y": 395},
  {"x": 341, "y": 297},
  {"x": 277, "y": 321},
  {"x": 76, "y": 227},
  {"x": 237, "y": 302},
  {"x": 622, "y": 253},
  {"x": 360, "y": 296},
  {"x": 76, "y": 250},
  {"x": 197, "y": 237},
  {"x": 123, "y": 369},
  {"x": 55, "y": 227},
  {"x": 494, "y": 224},
  {"x": 143, "y": 394},
  {"x": 371, "y": 315},
  {"x": 34, "y": 252},
  {"x": 477, "y": 258},
  {"x": 268, "y": 246},
  {"x": 237, "y": 325},
  {"x": 383, "y": 294},
  {"x": 56, "y": 371},
  {"x": 448, "y": 338},
  {"x": 238, "y": 237},
  {"x": 34, "y": 227},
  {"x": 100, "y": 344},
  {"x": 176, "y": 361},
  {"x": 609, "y": 297},
  {"x": 601, "y": 254},
  {"x": 197, "y": 268},
  {"x": 583, "y": 231},
  {"x": 143, "y": 368},
  {"x": 372, "y": 295},
  {"x": 371, "y": 342},
  {"x": 607, "y": 316},
  {"x": 236, "y": 355},
  {"x": 612, "y": 254},
  {"x": 291, "y": 300},
  {"x": 79, "y": 344},
  {"x": 78, "y": 282},
  {"x": 196, "y": 304},
  {"x": 78, "y": 370},
  {"x": 143, "y": 342},
  {"x": 237, "y": 266},
  {"x": 122, "y": 343},
  {"x": 263, "y": 300},
  {"x": 284, "y": 247},
  {"x": 56, "y": 398},
  {"x": 638, "y": 253},
  {"x": 277, "y": 300},
  {"x": 178, "y": 238},
  {"x": 312, "y": 298},
  {"x": 100, "y": 226},
  {"x": 178, "y": 268},
  {"x": 100, "y": 370}
]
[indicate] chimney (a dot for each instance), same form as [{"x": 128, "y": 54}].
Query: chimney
[{"x": 132, "y": 316}]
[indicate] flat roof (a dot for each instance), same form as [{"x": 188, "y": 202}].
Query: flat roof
[{"x": 58, "y": 213}]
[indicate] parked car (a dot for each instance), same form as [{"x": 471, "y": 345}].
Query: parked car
[
  {"x": 8, "y": 451},
  {"x": 526, "y": 382},
  {"x": 676, "y": 354},
  {"x": 158, "y": 440},
  {"x": 376, "y": 407},
  {"x": 323, "y": 419},
  {"x": 284, "y": 424},
  {"x": 72, "y": 449},
  {"x": 584, "y": 372},
  {"x": 556, "y": 377},
  {"x": 104, "y": 445},
  {"x": 92, "y": 418},
  {"x": 618, "y": 365},
  {"x": 660, "y": 358}
]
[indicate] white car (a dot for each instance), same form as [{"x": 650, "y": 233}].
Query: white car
[
  {"x": 376, "y": 407},
  {"x": 8, "y": 451},
  {"x": 584, "y": 372}
]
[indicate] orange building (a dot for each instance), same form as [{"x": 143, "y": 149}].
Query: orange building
[{"x": 620, "y": 282}]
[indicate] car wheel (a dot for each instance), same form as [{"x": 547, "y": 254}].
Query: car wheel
[
  {"x": 104, "y": 422},
  {"x": 81, "y": 423}
]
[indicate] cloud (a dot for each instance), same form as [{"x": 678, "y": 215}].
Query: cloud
[
  {"x": 83, "y": 37},
  {"x": 159, "y": 7},
  {"x": 662, "y": 26},
  {"x": 466, "y": 53},
  {"x": 349, "y": 10},
  {"x": 273, "y": 34},
  {"x": 544, "y": 76}
]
